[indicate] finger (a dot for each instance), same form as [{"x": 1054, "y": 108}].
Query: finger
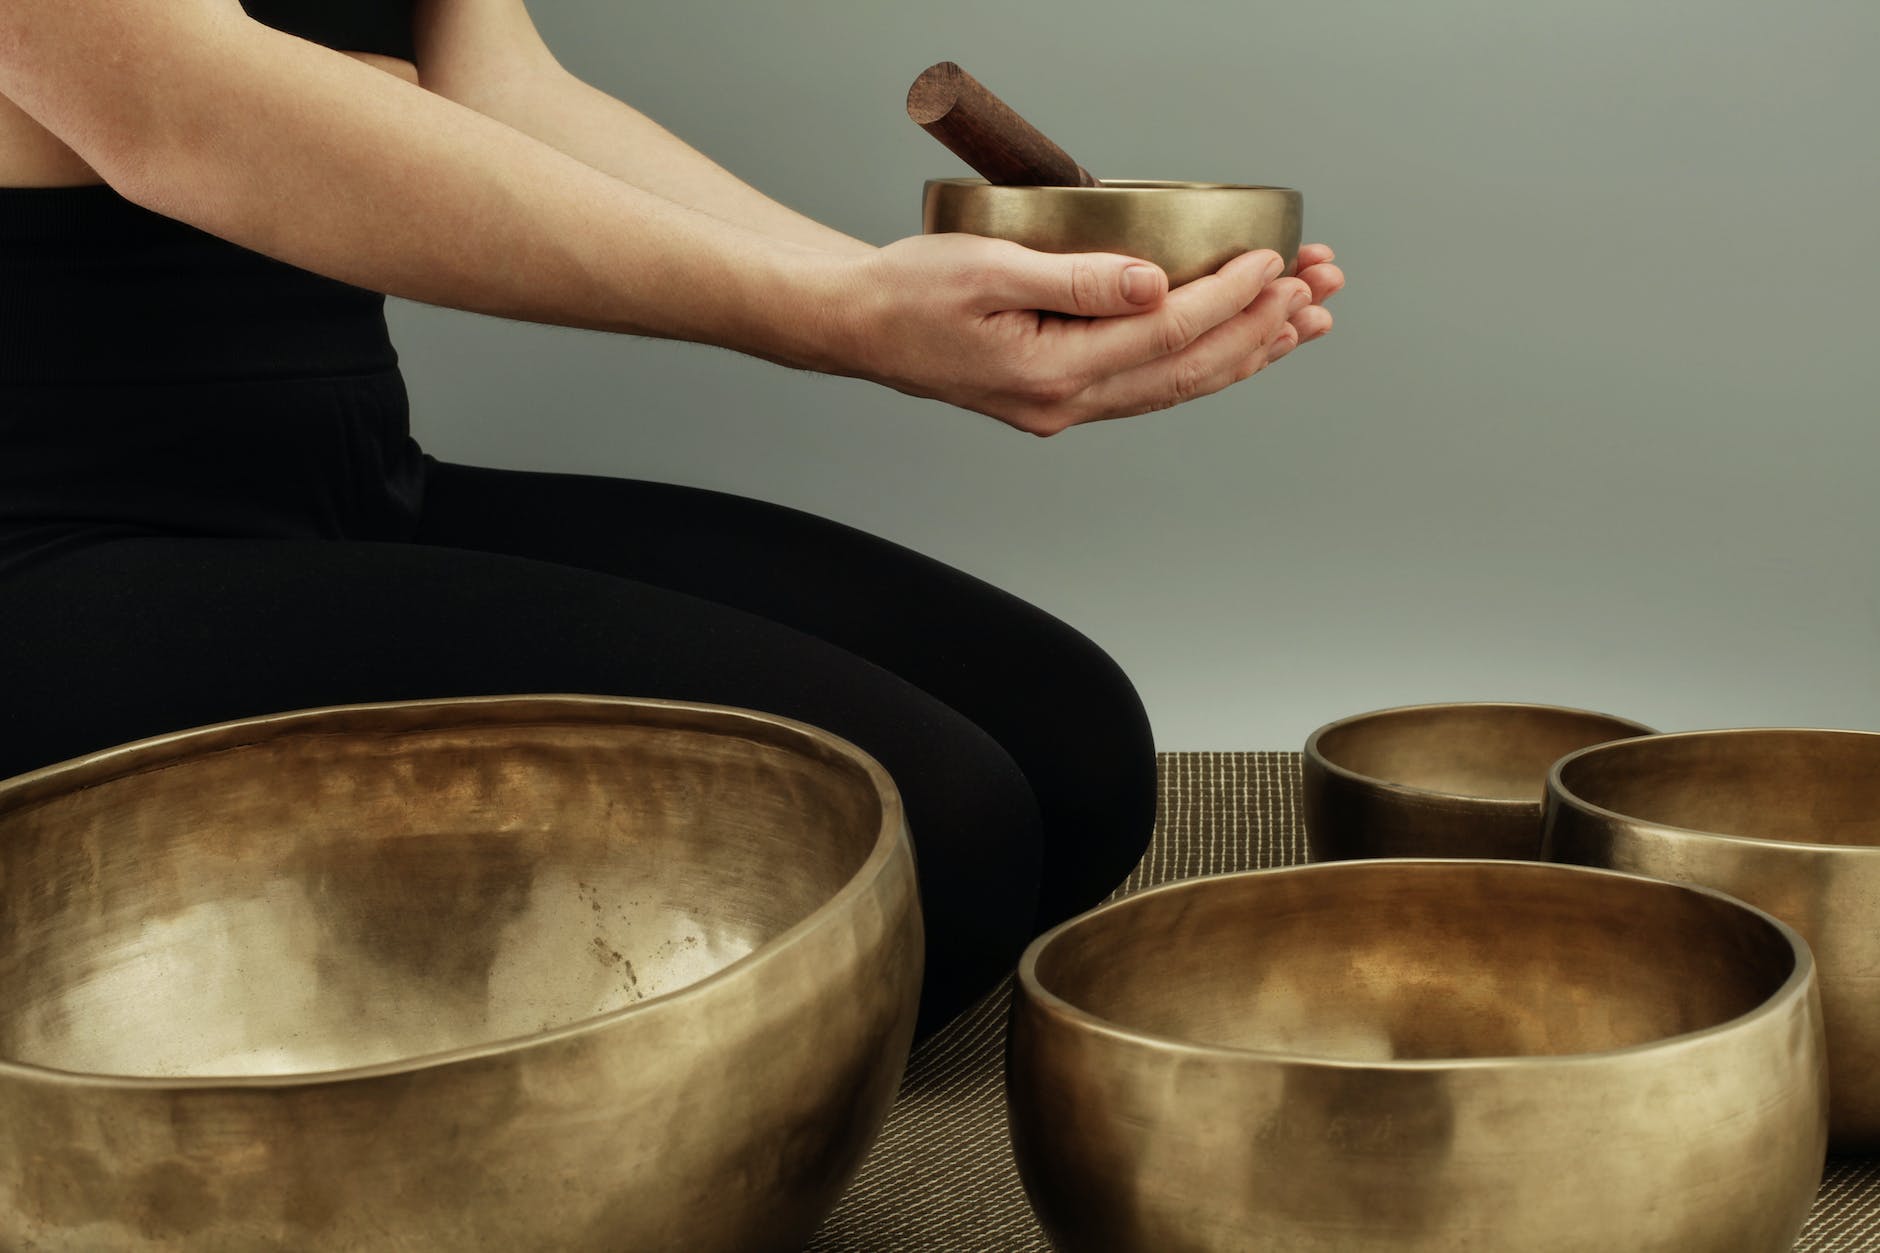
[
  {"x": 1088, "y": 284},
  {"x": 1312, "y": 322},
  {"x": 1282, "y": 343},
  {"x": 1311, "y": 255},
  {"x": 1325, "y": 280},
  {"x": 1279, "y": 346},
  {"x": 1226, "y": 354},
  {"x": 1114, "y": 345}
]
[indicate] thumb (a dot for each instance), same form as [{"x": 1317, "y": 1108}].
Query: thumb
[{"x": 1090, "y": 284}]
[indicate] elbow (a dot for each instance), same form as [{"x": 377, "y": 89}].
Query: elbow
[{"x": 126, "y": 117}]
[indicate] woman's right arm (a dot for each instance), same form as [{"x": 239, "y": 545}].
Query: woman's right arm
[{"x": 196, "y": 111}]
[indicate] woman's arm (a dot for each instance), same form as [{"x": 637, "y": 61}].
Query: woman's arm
[
  {"x": 488, "y": 56},
  {"x": 599, "y": 130},
  {"x": 561, "y": 110},
  {"x": 196, "y": 111},
  {"x": 610, "y": 135}
]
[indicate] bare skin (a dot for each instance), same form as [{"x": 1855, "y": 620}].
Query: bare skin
[
  {"x": 484, "y": 176},
  {"x": 32, "y": 156}
]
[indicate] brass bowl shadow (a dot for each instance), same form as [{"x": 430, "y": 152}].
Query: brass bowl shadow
[
  {"x": 544, "y": 972},
  {"x": 1419, "y": 1057},
  {"x": 1464, "y": 779},
  {"x": 1189, "y": 229},
  {"x": 1787, "y": 819}
]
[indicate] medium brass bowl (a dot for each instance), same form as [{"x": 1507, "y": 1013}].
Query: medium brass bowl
[
  {"x": 1419, "y": 1057},
  {"x": 1453, "y": 780},
  {"x": 508, "y": 973},
  {"x": 1786, "y": 819},
  {"x": 1189, "y": 229}
]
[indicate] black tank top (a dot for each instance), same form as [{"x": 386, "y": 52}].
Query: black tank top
[{"x": 382, "y": 26}]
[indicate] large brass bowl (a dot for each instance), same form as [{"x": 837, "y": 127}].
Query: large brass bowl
[
  {"x": 532, "y": 973},
  {"x": 1443, "y": 1056},
  {"x": 1786, "y": 819},
  {"x": 1465, "y": 779},
  {"x": 1189, "y": 229}
]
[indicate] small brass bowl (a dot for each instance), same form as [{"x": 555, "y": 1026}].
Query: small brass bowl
[
  {"x": 1787, "y": 819},
  {"x": 506, "y": 973},
  {"x": 1419, "y": 1057},
  {"x": 1189, "y": 229},
  {"x": 1451, "y": 780}
]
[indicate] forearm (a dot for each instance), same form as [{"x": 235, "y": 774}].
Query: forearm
[
  {"x": 600, "y": 130},
  {"x": 308, "y": 156}
]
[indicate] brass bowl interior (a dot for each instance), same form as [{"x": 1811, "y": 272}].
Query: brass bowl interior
[
  {"x": 1479, "y": 751},
  {"x": 1787, "y": 785},
  {"x": 1410, "y": 960},
  {"x": 318, "y": 901}
]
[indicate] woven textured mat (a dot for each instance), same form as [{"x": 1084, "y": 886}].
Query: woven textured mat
[{"x": 941, "y": 1177}]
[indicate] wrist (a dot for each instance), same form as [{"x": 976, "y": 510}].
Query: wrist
[{"x": 815, "y": 308}]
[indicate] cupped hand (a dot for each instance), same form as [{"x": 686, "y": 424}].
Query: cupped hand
[{"x": 980, "y": 323}]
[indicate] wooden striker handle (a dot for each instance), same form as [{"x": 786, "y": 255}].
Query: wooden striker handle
[{"x": 981, "y": 129}]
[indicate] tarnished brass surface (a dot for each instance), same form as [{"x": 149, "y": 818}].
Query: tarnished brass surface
[
  {"x": 1786, "y": 819},
  {"x": 502, "y": 973},
  {"x": 1451, "y": 780},
  {"x": 1189, "y": 229},
  {"x": 1419, "y": 1057}
]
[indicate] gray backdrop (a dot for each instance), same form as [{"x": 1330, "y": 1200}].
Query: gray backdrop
[{"x": 1597, "y": 426}]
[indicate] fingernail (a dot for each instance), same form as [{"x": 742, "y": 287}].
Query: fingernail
[
  {"x": 1299, "y": 300},
  {"x": 1275, "y": 267},
  {"x": 1139, "y": 284}
]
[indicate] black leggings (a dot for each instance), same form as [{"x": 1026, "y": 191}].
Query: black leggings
[{"x": 185, "y": 550}]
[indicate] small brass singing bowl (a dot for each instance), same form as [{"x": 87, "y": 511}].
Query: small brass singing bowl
[
  {"x": 1419, "y": 1057},
  {"x": 1189, "y": 229},
  {"x": 504, "y": 973},
  {"x": 1787, "y": 819},
  {"x": 1450, "y": 780}
]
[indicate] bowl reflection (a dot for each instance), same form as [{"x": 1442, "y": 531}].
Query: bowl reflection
[
  {"x": 495, "y": 973},
  {"x": 1787, "y": 819},
  {"x": 1189, "y": 229},
  {"x": 1419, "y": 1056},
  {"x": 1464, "y": 779}
]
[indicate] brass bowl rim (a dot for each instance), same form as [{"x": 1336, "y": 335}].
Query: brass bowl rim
[
  {"x": 1569, "y": 797},
  {"x": 94, "y": 768},
  {"x": 1110, "y": 184},
  {"x": 1796, "y": 985},
  {"x": 1318, "y": 757}
]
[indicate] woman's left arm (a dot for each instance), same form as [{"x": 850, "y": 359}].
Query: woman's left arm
[{"x": 488, "y": 56}]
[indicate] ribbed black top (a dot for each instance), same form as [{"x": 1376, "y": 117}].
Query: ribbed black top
[{"x": 382, "y": 26}]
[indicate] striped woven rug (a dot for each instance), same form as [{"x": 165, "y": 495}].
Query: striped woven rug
[{"x": 941, "y": 1176}]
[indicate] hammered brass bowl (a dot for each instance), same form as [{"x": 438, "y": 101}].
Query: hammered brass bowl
[
  {"x": 504, "y": 973},
  {"x": 1189, "y": 229},
  {"x": 1786, "y": 819},
  {"x": 1419, "y": 1057},
  {"x": 1465, "y": 779}
]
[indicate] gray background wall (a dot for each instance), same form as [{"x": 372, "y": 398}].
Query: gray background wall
[{"x": 1598, "y": 425}]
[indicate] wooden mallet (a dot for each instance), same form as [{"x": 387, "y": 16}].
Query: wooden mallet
[{"x": 981, "y": 130}]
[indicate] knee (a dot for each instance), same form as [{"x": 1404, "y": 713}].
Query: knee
[
  {"x": 1089, "y": 751},
  {"x": 978, "y": 839}
]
